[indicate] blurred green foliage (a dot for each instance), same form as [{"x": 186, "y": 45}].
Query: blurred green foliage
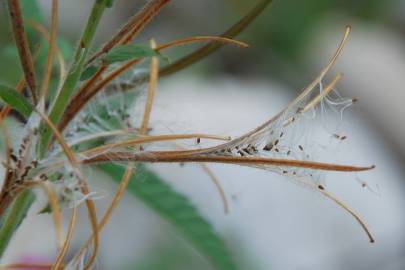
[{"x": 286, "y": 27}]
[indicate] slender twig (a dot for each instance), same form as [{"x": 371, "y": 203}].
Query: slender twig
[
  {"x": 68, "y": 240},
  {"x": 154, "y": 71},
  {"x": 51, "y": 49},
  {"x": 27, "y": 266},
  {"x": 349, "y": 210},
  {"x": 217, "y": 184},
  {"x": 44, "y": 32},
  {"x": 23, "y": 46},
  {"x": 151, "y": 139},
  {"x": 196, "y": 156}
]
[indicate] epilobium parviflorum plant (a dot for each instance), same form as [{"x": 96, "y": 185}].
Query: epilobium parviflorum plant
[{"x": 78, "y": 117}]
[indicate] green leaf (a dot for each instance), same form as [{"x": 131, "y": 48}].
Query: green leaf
[
  {"x": 88, "y": 72},
  {"x": 178, "y": 210},
  {"x": 47, "y": 209},
  {"x": 110, "y": 3},
  {"x": 15, "y": 100},
  {"x": 128, "y": 52},
  {"x": 14, "y": 217}
]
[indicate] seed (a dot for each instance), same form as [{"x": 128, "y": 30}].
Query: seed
[
  {"x": 13, "y": 157},
  {"x": 301, "y": 148},
  {"x": 268, "y": 147}
]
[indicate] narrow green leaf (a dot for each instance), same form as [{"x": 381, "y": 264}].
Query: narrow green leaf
[
  {"x": 178, "y": 210},
  {"x": 128, "y": 52},
  {"x": 14, "y": 217},
  {"x": 88, "y": 72},
  {"x": 15, "y": 100}
]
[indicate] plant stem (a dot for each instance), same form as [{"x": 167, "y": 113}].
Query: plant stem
[
  {"x": 14, "y": 218},
  {"x": 25, "y": 200},
  {"x": 74, "y": 73}
]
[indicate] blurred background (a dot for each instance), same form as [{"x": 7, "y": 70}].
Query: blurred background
[{"x": 272, "y": 224}]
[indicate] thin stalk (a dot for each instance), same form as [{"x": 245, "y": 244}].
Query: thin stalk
[
  {"x": 44, "y": 32},
  {"x": 51, "y": 49},
  {"x": 22, "y": 45},
  {"x": 68, "y": 240},
  {"x": 199, "y": 156},
  {"x": 217, "y": 184},
  {"x": 154, "y": 72},
  {"x": 26, "y": 266}
]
